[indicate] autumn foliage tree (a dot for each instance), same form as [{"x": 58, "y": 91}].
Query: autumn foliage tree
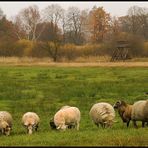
[
  {"x": 99, "y": 23},
  {"x": 7, "y": 36},
  {"x": 6, "y": 30}
]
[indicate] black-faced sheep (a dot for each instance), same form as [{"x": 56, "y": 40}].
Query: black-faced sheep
[
  {"x": 102, "y": 113},
  {"x": 67, "y": 116},
  {"x": 66, "y": 106},
  {"x": 31, "y": 121},
  {"x": 124, "y": 111},
  {"x": 5, "y": 122},
  {"x": 140, "y": 112},
  {"x": 52, "y": 124}
]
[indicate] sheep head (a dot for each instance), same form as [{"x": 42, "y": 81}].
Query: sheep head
[
  {"x": 5, "y": 128},
  {"x": 119, "y": 104},
  {"x": 30, "y": 127},
  {"x": 52, "y": 125}
]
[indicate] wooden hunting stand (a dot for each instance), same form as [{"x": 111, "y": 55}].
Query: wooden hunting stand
[{"x": 121, "y": 52}]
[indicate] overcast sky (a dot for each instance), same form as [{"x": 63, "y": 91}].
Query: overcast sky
[{"x": 114, "y": 8}]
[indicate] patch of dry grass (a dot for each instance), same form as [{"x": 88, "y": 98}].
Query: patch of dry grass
[{"x": 80, "y": 62}]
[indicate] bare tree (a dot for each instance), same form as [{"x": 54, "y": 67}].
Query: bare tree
[
  {"x": 143, "y": 17},
  {"x": 85, "y": 32},
  {"x": 1, "y": 14},
  {"x": 63, "y": 23},
  {"x": 134, "y": 19},
  {"x": 53, "y": 49},
  {"x": 74, "y": 24},
  {"x": 53, "y": 13},
  {"x": 26, "y": 23}
]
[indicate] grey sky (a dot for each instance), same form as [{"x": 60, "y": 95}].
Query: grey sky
[{"x": 115, "y": 8}]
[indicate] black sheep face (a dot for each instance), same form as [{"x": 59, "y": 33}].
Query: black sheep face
[{"x": 52, "y": 125}]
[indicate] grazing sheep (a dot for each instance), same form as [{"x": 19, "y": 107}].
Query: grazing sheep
[
  {"x": 103, "y": 114},
  {"x": 66, "y": 106},
  {"x": 124, "y": 111},
  {"x": 5, "y": 122},
  {"x": 140, "y": 112},
  {"x": 67, "y": 117},
  {"x": 53, "y": 126},
  {"x": 31, "y": 121}
]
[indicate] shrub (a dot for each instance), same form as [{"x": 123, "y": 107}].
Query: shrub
[
  {"x": 7, "y": 49},
  {"x": 24, "y": 47},
  {"x": 145, "y": 52},
  {"x": 71, "y": 51},
  {"x": 68, "y": 51},
  {"x": 38, "y": 50}
]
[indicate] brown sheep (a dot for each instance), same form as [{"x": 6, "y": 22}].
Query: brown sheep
[{"x": 124, "y": 111}]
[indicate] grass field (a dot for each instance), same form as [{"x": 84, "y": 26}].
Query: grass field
[{"x": 45, "y": 89}]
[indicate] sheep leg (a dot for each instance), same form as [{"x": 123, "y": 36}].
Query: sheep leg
[
  {"x": 27, "y": 130},
  {"x": 128, "y": 123},
  {"x": 135, "y": 125},
  {"x": 2, "y": 131},
  {"x": 77, "y": 125},
  {"x": 103, "y": 125},
  {"x": 97, "y": 124},
  {"x": 143, "y": 123}
]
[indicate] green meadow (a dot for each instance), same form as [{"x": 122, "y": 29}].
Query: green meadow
[{"x": 46, "y": 89}]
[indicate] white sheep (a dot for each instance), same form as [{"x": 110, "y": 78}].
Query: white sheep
[
  {"x": 102, "y": 113},
  {"x": 5, "y": 122},
  {"x": 66, "y": 106},
  {"x": 52, "y": 124},
  {"x": 31, "y": 121},
  {"x": 67, "y": 116},
  {"x": 140, "y": 112}
]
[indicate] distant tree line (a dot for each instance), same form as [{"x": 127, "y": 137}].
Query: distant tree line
[{"x": 56, "y": 33}]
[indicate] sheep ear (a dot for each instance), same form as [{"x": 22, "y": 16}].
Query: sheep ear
[
  {"x": 122, "y": 102},
  {"x": 119, "y": 102}
]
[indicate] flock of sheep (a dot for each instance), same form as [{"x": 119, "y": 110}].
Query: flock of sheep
[{"x": 69, "y": 117}]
